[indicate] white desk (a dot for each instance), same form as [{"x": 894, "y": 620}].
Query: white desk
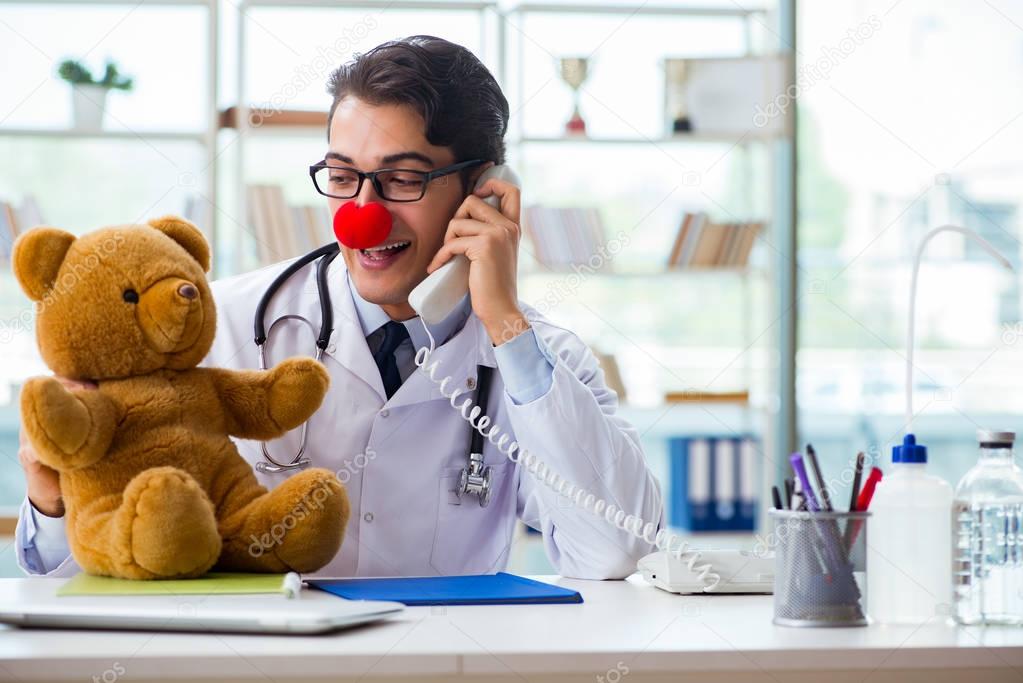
[{"x": 625, "y": 631}]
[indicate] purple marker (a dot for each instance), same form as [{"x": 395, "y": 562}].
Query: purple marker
[{"x": 800, "y": 469}]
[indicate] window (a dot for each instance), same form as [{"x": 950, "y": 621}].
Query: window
[{"x": 910, "y": 129}]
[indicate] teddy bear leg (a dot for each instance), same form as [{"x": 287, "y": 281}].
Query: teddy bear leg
[
  {"x": 164, "y": 528},
  {"x": 298, "y": 526}
]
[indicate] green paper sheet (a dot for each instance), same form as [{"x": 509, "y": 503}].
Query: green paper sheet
[{"x": 214, "y": 583}]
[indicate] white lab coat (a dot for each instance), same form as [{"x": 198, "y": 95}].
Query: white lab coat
[{"x": 400, "y": 458}]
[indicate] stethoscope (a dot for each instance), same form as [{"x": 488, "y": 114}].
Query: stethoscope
[
  {"x": 475, "y": 478},
  {"x": 328, "y": 253}
]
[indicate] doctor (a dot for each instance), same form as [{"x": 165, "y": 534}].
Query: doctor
[{"x": 424, "y": 103}]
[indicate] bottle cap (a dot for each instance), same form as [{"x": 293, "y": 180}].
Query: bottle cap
[
  {"x": 990, "y": 436},
  {"x": 909, "y": 451}
]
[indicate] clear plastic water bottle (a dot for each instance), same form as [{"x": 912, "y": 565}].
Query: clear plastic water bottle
[{"x": 987, "y": 542}]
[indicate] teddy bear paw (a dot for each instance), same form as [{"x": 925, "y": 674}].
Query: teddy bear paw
[
  {"x": 313, "y": 509},
  {"x": 56, "y": 420},
  {"x": 298, "y": 388},
  {"x": 173, "y": 528}
]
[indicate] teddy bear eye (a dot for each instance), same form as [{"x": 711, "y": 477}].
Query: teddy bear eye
[{"x": 131, "y": 296}]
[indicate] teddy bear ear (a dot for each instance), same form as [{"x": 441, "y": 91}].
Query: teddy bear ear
[
  {"x": 36, "y": 258},
  {"x": 187, "y": 235}
]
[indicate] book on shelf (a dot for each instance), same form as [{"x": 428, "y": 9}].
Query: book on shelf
[
  {"x": 283, "y": 231},
  {"x": 680, "y": 237},
  {"x": 702, "y": 243},
  {"x": 712, "y": 482},
  {"x": 563, "y": 237},
  {"x": 15, "y": 220}
]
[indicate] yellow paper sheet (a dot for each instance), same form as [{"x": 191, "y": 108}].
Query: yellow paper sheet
[{"x": 214, "y": 583}]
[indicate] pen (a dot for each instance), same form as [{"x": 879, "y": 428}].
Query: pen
[
  {"x": 804, "y": 483},
  {"x": 850, "y": 527},
  {"x": 810, "y": 502},
  {"x": 857, "y": 478},
  {"x": 798, "y": 499},
  {"x": 827, "y": 533},
  {"x": 863, "y": 502},
  {"x": 788, "y": 494},
  {"x": 835, "y": 540},
  {"x": 776, "y": 497},
  {"x": 868, "y": 490},
  {"x": 815, "y": 469}
]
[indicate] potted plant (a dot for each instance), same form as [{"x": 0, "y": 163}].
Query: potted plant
[{"x": 88, "y": 95}]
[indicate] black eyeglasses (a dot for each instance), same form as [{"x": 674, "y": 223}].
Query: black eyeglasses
[{"x": 392, "y": 184}]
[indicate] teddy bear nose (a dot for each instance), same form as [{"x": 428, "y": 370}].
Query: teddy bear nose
[{"x": 188, "y": 291}]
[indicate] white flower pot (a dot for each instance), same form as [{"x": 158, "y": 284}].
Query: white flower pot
[{"x": 88, "y": 102}]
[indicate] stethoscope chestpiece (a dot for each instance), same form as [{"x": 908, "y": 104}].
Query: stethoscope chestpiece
[{"x": 475, "y": 479}]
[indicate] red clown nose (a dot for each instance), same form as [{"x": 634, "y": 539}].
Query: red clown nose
[{"x": 362, "y": 227}]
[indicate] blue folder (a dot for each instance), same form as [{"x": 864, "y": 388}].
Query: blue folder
[{"x": 481, "y": 589}]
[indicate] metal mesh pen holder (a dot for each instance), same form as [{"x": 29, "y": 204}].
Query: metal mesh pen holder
[{"x": 820, "y": 568}]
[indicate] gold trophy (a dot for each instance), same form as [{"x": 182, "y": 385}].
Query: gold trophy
[{"x": 574, "y": 72}]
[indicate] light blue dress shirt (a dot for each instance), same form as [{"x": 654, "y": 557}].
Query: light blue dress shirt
[
  {"x": 525, "y": 362},
  {"x": 526, "y": 365},
  {"x": 40, "y": 541}
]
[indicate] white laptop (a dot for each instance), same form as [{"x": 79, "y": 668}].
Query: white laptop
[{"x": 32, "y": 603}]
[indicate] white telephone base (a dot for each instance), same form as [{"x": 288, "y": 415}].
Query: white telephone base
[{"x": 740, "y": 570}]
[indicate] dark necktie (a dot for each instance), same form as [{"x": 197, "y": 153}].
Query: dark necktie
[{"x": 394, "y": 334}]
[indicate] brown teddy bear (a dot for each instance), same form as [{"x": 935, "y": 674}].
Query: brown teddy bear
[{"x": 152, "y": 485}]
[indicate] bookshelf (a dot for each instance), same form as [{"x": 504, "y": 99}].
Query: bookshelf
[
  {"x": 117, "y": 135},
  {"x": 501, "y": 37},
  {"x": 205, "y": 137},
  {"x": 505, "y": 41},
  {"x": 70, "y": 134},
  {"x": 677, "y": 138},
  {"x": 659, "y": 10},
  {"x": 226, "y": 179},
  {"x": 532, "y": 140},
  {"x": 136, "y": 3},
  {"x": 297, "y": 124},
  {"x": 671, "y": 272},
  {"x": 303, "y": 122}
]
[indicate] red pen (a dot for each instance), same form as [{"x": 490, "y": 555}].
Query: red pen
[{"x": 862, "y": 503}]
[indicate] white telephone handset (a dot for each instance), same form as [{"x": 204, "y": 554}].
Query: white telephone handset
[
  {"x": 436, "y": 296},
  {"x": 434, "y": 299}
]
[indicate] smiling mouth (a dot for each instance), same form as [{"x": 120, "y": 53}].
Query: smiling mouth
[{"x": 381, "y": 253}]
